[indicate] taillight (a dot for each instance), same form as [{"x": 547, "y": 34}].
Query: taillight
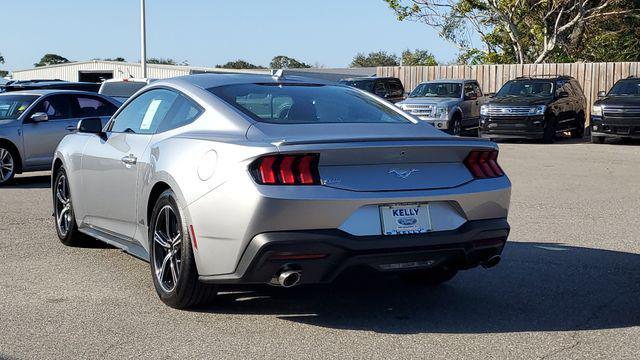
[
  {"x": 483, "y": 164},
  {"x": 286, "y": 170}
]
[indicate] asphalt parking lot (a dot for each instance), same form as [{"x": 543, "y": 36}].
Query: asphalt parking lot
[{"x": 568, "y": 285}]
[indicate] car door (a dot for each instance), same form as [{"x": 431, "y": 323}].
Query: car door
[
  {"x": 40, "y": 138},
  {"x": 564, "y": 105},
  {"x": 111, "y": 164},
  {"x": 467, "y": 105}
]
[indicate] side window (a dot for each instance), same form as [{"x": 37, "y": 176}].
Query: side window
[
  {"x": 476, "y": 89},
  {"x": 89, "y": 106},
  {"x": 144, "y": 114},
  {"x": 57, "y": 107},
  {"x": 468, "y": 89},
  {"x": 396, "y": 88},
  {"x": 183, "y": 112},
  {"x": 577, "y": 89},
  {"x": 563, "y": 85},
  {"x": 380, "y": 88}
]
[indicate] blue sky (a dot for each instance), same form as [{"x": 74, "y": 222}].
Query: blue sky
[{"x": 209, "y": 32}]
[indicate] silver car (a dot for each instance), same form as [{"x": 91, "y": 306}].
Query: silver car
[
  {"x": 449, "y": 105},
  {"x": 32, "y": 123},
  {"x": 253, "y": 179}
]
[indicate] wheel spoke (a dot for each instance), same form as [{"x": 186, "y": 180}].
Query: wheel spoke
[
  {"x": 167, "y": 223},
  {"x": 161, "y": 239},
  {"x": 60, "y": 197},
  {"x": 174, "y": 270},
  {"x": 177, "y": 240},
  {"x": 163, "y": 268}
]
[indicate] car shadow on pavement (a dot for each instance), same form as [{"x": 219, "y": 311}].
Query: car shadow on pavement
[
  {"x": 30, "y": 182},
  {"x": 537, "y": 287}
]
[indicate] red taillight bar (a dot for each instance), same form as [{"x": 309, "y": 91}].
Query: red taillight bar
[
  {"x": 483, "y": 164},
  {"x": 286, "y": 170}
]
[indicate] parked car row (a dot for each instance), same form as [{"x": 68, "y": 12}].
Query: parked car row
[{"x": 525, "y": 107}]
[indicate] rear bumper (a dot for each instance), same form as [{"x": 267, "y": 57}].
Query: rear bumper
[{"x": 334, "y": 251}]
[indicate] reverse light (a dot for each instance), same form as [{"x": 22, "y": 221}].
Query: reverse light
[
  {"x": 286, "y": 170},
  {"x": 483, "y": 164}
]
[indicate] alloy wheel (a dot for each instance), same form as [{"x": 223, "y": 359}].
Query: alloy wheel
[
  {"x": 167, "y": 241},
  {"x": 63, "y": 205},
  {"x": 6, "y": 165}
]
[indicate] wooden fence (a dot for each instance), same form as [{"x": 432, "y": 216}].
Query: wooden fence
[{"x": 593, "y": 77}]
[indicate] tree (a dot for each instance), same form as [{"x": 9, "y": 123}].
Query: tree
[
  {"x": 373, "y": 59},
  {"x": 51, "y": 59},
  {"x": 523, "y": 31},
  {"x": 118, "y": 59},
  {"x": 418, "y": 58},
  {"x": 1, "y": 59},
  {"x": 285, "y": 62},
  {"x": 239, "y": 64},
  {"x": 167, "y": 61}
]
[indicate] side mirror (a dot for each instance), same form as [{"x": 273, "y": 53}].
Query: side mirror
[
  {"x": 602, "y": 94},
  {"x": 39, "y": 117},
  {"x": 90, "y": 126},
  {"x": 563, "y": 94}
]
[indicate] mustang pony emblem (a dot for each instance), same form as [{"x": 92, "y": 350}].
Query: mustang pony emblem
[{"x": 403, "y": 173}]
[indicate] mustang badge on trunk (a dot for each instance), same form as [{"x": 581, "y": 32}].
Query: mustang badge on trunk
[{"x": 403, "y": 173}]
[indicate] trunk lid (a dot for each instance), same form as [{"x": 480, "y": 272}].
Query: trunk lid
[{"x": 378, "y": 157}]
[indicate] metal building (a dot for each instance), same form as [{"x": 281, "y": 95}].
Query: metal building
[{"x": 99, "y": 70}]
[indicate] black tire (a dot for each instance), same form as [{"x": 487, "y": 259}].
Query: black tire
[
  {"x": 597, "y": 139},
  {"x": 430, "y": 277},
  {"x": 578, "y": 132},
  {"x": 187, "y": 291},
  {"x": 455, "y": 125},
  {"x": 549, "y": 135},
  {"x": 7, "y": 165},
  {"x": 63, "y": 215}
]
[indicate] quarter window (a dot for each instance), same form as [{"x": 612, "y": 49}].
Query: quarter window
[
  {"x": 144, "y": 114},
  {"x": 183, "y": 112}
]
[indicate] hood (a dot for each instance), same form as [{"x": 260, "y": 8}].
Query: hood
[
  {"x": 430, "y": 101},
  {"x": 314, "y": 133},
  {"x": 518, "y": 101},
  {"x": 633, "y": 101}
]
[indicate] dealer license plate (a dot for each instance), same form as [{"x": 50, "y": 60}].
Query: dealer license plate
[{"x": 405, "y": 219}]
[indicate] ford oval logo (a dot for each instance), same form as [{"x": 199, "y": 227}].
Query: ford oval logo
[{"x": 407, "y": 221}]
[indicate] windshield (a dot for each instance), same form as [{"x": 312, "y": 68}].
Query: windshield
[
  {"x": 306, "y": 104},
  {"x": 366, "y": 85},
  {"x": 121, "y": 89},
  {"x": 528, "y": 88},
  {"x": 626, "y": 88},
  {"x": 12, "y": 106},
  {"x": 449, "y": 90}
]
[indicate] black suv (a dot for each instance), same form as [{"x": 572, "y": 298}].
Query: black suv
[
  {"x": 617, "y": 114},
  {"x": 389, "y": 88},
  {"x": 535, "y": 108}
]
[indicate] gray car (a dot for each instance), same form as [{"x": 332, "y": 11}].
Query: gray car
[
  {"x": 32, "y": 123},
  {"x": 449, "y": 105},
  {"x": 253, "y": 179}
]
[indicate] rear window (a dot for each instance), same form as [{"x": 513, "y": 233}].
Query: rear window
[
  {"x": 12, "y": 106},
  {"x": 121, "y": 89},
  {"x": 306, "y": 104},
  {"x": 366, "y": 85}
]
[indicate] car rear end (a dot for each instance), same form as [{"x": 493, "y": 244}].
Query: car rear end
[{"x": 324, "y": 197}]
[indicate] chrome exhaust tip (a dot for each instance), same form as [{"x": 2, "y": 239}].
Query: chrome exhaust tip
[
  {"x": 289, "y": 278},
  {"x": 491, "y": 261}
]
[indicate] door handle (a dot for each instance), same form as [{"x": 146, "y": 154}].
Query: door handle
[
  {"x": 71, "y": 128},
  {"x": 129, "y": 160}
]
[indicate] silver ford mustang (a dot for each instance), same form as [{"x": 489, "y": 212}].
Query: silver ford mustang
[{"x": 250, "y": 179}]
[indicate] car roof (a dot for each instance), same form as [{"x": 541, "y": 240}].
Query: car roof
[
  {"x": 372, "y": 78},
  {"x": 137, "y": 80},
  {"x": 206, "y": 81},
  {"x": 449, "y": 81},
  {"x": 43, "y": 92}
]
